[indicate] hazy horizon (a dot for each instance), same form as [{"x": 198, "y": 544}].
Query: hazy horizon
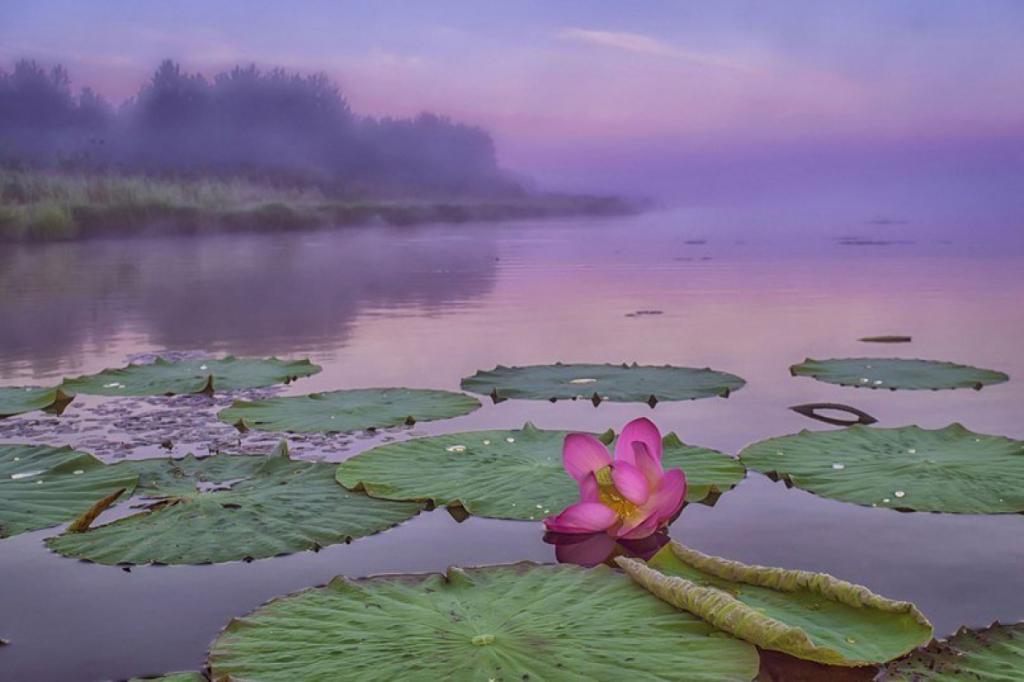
[{"x": 915, "y": 103}]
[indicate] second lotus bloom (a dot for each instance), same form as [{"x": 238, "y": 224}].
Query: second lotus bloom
[{"x": 630, "y": 497}]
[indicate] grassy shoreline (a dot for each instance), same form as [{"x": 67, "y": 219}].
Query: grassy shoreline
[{"x": 37, "y": 206}]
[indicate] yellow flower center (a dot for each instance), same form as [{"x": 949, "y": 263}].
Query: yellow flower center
[{"x": 610, "y": 495}]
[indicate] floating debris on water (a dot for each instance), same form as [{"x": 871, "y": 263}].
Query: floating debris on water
[{"x": 886, "y": 339}]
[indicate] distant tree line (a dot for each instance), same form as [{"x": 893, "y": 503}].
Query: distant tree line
[{"x": 268, "y": 124}]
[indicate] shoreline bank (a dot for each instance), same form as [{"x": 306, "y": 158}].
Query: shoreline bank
[{"x": 38, "y": 207}]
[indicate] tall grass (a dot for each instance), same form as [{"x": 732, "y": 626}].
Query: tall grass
[
  {"x": 36, "y": 205},
  {"x": 50, "y": 206}
]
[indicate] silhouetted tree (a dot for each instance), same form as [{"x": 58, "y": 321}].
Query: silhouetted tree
[{"x": 243, "y": 121}]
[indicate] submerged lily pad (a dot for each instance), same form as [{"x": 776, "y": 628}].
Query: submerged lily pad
[
  {"x": 509, "y": 474},
  {"x": 20, "y": 400},
  {"x": 808, "y": 615},
  {"x": 942, "y": 470},
  {"x": 897, "y": 373},
  {"x": 618, "y": 383},
  {"x": 162, "y": 377},
  {"x": 521, "y": 622},
  {"x": 351, "y": 410},
  {"x": 42, "y": 486},
  {"x": 994, "y": 654},
  {"x": 232, "y": 507}
]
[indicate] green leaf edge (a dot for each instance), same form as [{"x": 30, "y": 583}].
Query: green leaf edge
[
  {"x": 955, "y": 427},
  {"x": 799, "y": 370},
  {"x": 932, "y": 653},
  {"x": 243, "y": 425},
  {"x": 207, "y": 388},
  {"x": 178, "y": 676},
  {"x": 129, "y": 490},
  {"x": 725, "y": 392},
  {"x": 57, "y": 404},
  {"x": 727, "y": 613}
]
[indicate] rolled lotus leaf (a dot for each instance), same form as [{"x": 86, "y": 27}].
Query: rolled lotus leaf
[
  {"x": 42, "y": 486},
  {"x": 897, "y": 373},
  {"x": 15, "y": 401},
  {"x": 231, "y": 508},
  {"x": 349, "y": 410},
  {"x": 809, "y": 615},
  {"x": 514, "y": 474},
  {"x": 909, "y": 468},
  {"x": 163, "y": 377},
  {"x": 518, "y": 622},
  {"x": 993, "y": 654},
  {"x": 618, "y": 383}
]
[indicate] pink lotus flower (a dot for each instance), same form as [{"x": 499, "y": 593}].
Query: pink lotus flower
[{"x": 629, "y": 498}]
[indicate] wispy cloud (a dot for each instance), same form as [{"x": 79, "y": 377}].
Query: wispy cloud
[{"x": 645, "y": 44}]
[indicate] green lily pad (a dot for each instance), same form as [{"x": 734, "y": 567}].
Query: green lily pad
[
  {"x": 897, "y": 373},
  {"x": 42, "y": 486},
  {"x": 995, "y": 654},
  {"x": 808, "y": 615},
  {"x": 909, "y": 468},
  {"x": 167, "y": 477},
  {"x": 619, "y": 383},
  {"x": 520, "y": 622},
  {"x": 191, "y": 376},
  {"x": 351, "y": 410},
  {"x": 232, "y": 507},
  {"x": 509, "y": 474},
  {"x": 20, "y": 400}
]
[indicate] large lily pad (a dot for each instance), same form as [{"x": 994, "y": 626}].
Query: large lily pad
[
  {"x": 620, "y": 383},
  {"x": 20, "y": 400},
  {"x": 509, "y": 474},
  {"x": 521, "y": 622},
  {"x": 995, "y": 654},
  {"x": 351, "y": 410},
  {"x": 897, "y": 373},
  {"x": 910, "y": 468},
  {"x": 191, "y": 376},
  {"x": 231, "y": 507},
  {"x": 808, "y": 615},
  {"x": 42, "y": 486}
]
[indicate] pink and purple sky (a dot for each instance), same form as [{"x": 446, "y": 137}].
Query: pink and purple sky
[{"x": 692, "y": 100}]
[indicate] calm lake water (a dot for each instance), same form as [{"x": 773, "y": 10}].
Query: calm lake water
[{"x": 425, "y": 306}]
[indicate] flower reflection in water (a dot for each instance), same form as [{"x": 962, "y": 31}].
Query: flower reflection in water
[{"x": 599, "y": 548}]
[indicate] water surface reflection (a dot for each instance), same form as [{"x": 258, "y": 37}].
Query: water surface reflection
[{"x": 425, "y": 306}]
